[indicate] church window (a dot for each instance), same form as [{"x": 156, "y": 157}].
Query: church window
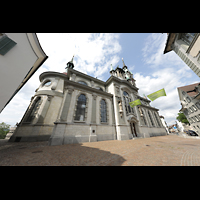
[
  {"x": 103, "y": 111},
  {"x": 150, "y": 118},
  {"x": 82, "y": 82},
  {"x": 145, "y": 123},
  {"x": 157, "y": 119},
  {"x": 34, "y": 108},
  {"x": 127, "y": 99},
  {"x": 80, "y": 109}
]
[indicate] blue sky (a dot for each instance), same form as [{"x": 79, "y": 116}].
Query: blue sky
[{"x": 142, "y": 53}]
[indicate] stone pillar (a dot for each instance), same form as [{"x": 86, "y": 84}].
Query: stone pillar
[
  {"x": 57, "y": 135},
  {"x": 94, "y": 107},
  {"x": 66, "y": 104}
]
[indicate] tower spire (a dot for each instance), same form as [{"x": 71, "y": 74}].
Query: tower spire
[
  {"x": 111, "y": 67},
  {"x": 70, "y": 64},
  {"x": 123, "y": 62}
]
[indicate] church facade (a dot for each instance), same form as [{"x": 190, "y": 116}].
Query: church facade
[{"x": 73, "y": 107}]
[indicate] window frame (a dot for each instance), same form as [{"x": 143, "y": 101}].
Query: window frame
[
  {"x": 103, "y": 111},
  {"x": 33, "y": 110},
  {"x": 127, "y": 99},
  {"x": 151, "y": 119},
  {"x": 78, "y": 111}
]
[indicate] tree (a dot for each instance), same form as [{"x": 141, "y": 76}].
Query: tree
[
  {"x": 182, "y": 118},
  {"x": 4, "y": 129}
]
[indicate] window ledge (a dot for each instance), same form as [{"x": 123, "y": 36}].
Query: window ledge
[
  {"x": 75, "y": 121},
  {"x": 104, "y": 123}
]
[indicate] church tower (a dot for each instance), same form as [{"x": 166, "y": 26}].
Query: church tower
[{"x": 123, "y": 73}]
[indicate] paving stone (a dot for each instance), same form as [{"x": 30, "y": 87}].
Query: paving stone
[{"x": 170, "y": 150}]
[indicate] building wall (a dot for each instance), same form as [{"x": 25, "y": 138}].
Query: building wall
[
  {"x": 191, "y": 58},
  {"x": 195, "y": 49},
  {"x": 191, "y": 111},
  {"x": 15, "y": 64}
]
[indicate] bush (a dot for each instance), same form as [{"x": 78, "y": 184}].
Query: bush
[{"x": 4, "y": 129}]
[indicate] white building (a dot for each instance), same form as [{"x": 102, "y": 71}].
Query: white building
[
  {"x": 190, "y": 100},
  {"x": 20, "y": 57},
  {"x": 164, "y": 123},
  {"x": 72, "y": 107},
  {"x": 187, "y": 47}
]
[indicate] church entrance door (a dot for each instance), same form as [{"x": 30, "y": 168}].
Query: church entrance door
[{"x": 133, "y": 130}]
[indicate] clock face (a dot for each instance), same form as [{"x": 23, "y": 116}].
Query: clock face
[{"x": 47, "y": 83}]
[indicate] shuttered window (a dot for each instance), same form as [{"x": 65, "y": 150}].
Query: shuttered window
[{"x": 6, "y": 44}]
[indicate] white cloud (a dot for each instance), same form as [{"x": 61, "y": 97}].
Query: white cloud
[
  {"x": 167, "y": 71},
  {"x": 93, "y": 55},
  {"x": 93, "y": 52}
]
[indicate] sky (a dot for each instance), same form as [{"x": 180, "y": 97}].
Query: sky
[{"x": 94, "y": 54}]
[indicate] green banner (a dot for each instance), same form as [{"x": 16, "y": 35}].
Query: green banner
[
  {"x": 157, "y": 94},
  {"x": 135, "y": 103}
]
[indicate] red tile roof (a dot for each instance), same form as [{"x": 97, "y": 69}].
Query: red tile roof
[{"x": 189, "y": 89}]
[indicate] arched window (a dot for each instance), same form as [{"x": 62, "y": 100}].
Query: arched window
[
  {"x": 157, "y": 119},
  {"x": 127, "y": 99},
  {"x": 145, "y": 123},
  {"x": 33, "y": 109},
  {"x": 150, "y": 118},
  {"x": 82, "y": 82},
  {"x": 80, "y": 109},
  {"x": 103, "y": 111}
]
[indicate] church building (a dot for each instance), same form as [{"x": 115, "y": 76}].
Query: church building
[{"x": 73, "y": 107}]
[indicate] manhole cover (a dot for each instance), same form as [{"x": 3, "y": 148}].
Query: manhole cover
[{"x": 37, "y": 151}]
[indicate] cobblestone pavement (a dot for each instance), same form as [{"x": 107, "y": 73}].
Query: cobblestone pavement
[{"x": 155, "y": 151}]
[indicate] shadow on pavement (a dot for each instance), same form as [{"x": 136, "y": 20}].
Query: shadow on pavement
[{"x": 39, "y": 153}]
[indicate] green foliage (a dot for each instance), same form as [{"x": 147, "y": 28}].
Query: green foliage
[
  {"x": 4, "y": 129},
  {"x": 182, "y": 118}
]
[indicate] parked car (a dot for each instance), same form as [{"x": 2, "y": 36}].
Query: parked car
[{"x": 191, "y": 133}]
